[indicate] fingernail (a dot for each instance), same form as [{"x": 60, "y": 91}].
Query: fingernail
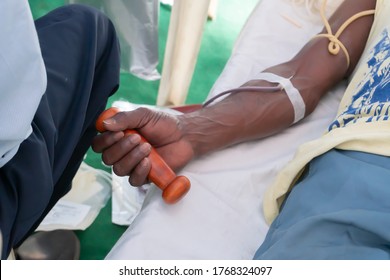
[
  {"x": 118, "y": 135},
  {"x": 146, "y": 147},
  {"x": 109, "y": 121},
  {"x": 135, "y": 138},
  {"x": 144, "y": 162}
]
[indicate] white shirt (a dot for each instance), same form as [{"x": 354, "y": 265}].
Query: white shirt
[{"x": 22, "y": 75}]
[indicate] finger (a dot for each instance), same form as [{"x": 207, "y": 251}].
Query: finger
[
  {"x": 128, "y": 120},
  {"x": 102, "y": 141},
  {"x": 121, "y": 148},
  {"x": 140, "y": 173},
  {"x": 129, "y": 162}
]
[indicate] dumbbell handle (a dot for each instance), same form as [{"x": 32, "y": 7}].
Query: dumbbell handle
[{"x": 173, "y": 187}]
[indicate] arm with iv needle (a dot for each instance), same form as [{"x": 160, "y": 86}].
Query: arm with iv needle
[{"x": 245, "y": 116}]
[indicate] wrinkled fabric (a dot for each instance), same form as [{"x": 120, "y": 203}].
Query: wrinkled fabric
[{"x": 339, "y": 210}]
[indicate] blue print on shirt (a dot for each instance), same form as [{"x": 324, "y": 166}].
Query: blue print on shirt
[{"x": 371, "y": 101}]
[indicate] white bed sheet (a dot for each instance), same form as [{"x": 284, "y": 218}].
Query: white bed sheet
[{"x": 221, "y": 217}]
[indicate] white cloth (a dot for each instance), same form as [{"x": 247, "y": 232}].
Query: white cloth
[
  {"x": 221, "y": 217},
  {"x": 22, "y": 75},
  {"x": 136, "y": 24}
]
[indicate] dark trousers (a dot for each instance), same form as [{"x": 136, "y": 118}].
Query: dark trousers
[{"x": 81, "y": 55}]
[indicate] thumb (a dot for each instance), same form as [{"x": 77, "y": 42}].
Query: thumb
[
  {"x": 114, "y": 120},
  {"x": 117, "y": 122},
  {"x": 111, "y": 124},
  {"x": 106, "y": 120}
]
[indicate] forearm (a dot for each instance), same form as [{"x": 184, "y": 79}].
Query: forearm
[
  {"x": 248, "y": 116},
  {"x": 237, "y": 118}
]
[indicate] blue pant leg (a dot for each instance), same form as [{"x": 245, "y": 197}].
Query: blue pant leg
[{"x": 340, "y": 210}]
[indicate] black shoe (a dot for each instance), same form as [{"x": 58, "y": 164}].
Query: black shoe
[{"x": 50, "y": 245}]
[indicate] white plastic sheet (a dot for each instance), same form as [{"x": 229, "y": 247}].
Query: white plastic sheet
[
  {"x": 136, "y": 23},
  {"x": 77, "y": 210},
  {"x": 127, "y": 200}
]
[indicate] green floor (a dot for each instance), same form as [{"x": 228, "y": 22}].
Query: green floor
[{"x": 217, "y": 42}]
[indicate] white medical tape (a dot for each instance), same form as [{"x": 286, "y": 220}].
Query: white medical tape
[{"x": 292, "y": 93}]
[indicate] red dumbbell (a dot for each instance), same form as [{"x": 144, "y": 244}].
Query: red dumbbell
[{"x": 173, "y": 187}]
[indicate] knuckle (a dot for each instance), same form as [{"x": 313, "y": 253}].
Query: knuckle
[
  {"x": 95, "y": 145},
  {"x": 143, "y": 110},
  {"x": 121, "y": 115},
  {"x": 95, "y": 148}
]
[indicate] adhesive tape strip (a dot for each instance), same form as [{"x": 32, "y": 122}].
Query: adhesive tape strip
[{"x": 292, "y": 93}]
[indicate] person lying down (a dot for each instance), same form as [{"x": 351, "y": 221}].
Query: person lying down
[{"x": 285, "y": 151}]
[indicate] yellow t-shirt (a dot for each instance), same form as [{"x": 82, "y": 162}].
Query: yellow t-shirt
[{"x": 362, "y": 122}]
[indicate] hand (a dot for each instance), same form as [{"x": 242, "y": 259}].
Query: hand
[{"x": 129, "y": 156}]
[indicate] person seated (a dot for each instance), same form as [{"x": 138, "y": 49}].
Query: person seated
[
  {"x": 56, "y": 76},
  {"x": 330, "y": 201}
]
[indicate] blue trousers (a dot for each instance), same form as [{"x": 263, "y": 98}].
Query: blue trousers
[
  {"x": 339, "y": 210},
  {"x": 81, "y": 54}
]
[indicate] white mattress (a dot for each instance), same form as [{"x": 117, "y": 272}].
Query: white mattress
[{"x": 221, "y": 217}]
